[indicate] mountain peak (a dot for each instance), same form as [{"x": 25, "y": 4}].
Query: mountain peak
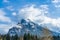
[{"x": 28, "y": 26}]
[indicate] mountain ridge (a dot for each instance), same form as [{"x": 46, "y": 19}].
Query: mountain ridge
[{"x": 28, "y": 26}]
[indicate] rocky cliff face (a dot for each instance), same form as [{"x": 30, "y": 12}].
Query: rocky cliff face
[{"x": 27, "y": 26}]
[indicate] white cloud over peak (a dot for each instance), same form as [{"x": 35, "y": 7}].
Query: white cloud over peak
[
  {"x": 38, "y": 15},
  {"x": 3, "y": 17},
  {"x": 32, "y": 12}
]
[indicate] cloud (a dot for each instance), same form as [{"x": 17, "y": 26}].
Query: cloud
[
  {"x": 5, "y": 27},
  {"x": 5, "y": 1},
  {"x": 56, "y": 3},
  {"x": 10, "y": 8},
  {"x": 44, "y": 8},
  {"x": 14, "y": 14},
  {"x": 38, "y": 15},
  {"x": 2, "y": 12},
  {"x": 3, "y": 17},
  {"x": 32, "y": 12},
  {"x": 54, "y": 22}
]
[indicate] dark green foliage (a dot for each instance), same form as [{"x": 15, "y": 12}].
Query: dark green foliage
[
  {"x": 26, "y": 37},
  {"x": 56, "y": 37},
  {"x": 29, "y": 37},
  {"x": 16, "y": 37},
  {"x": 7, "y": 37}
]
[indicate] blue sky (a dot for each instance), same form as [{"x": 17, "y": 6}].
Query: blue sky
[{"x": 45, "y": 12}]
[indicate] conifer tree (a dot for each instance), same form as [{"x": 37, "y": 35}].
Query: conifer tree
[{"x": 7, "y": 37}]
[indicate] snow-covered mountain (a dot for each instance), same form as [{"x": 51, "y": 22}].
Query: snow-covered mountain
[
  {"x": 27, "y": 26},
  {"x": 13, "y": 31}
]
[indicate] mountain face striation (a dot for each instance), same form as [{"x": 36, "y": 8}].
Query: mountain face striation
[{"x": 27, "y": 26}]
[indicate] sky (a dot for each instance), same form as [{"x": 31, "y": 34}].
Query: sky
[{"x": 45, "y": 12}]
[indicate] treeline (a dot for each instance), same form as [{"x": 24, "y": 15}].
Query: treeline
[
  {"x": 28, "y": 37},
  {"x": 56, "y": 37},
  {"x": 25, "y": 37}
]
